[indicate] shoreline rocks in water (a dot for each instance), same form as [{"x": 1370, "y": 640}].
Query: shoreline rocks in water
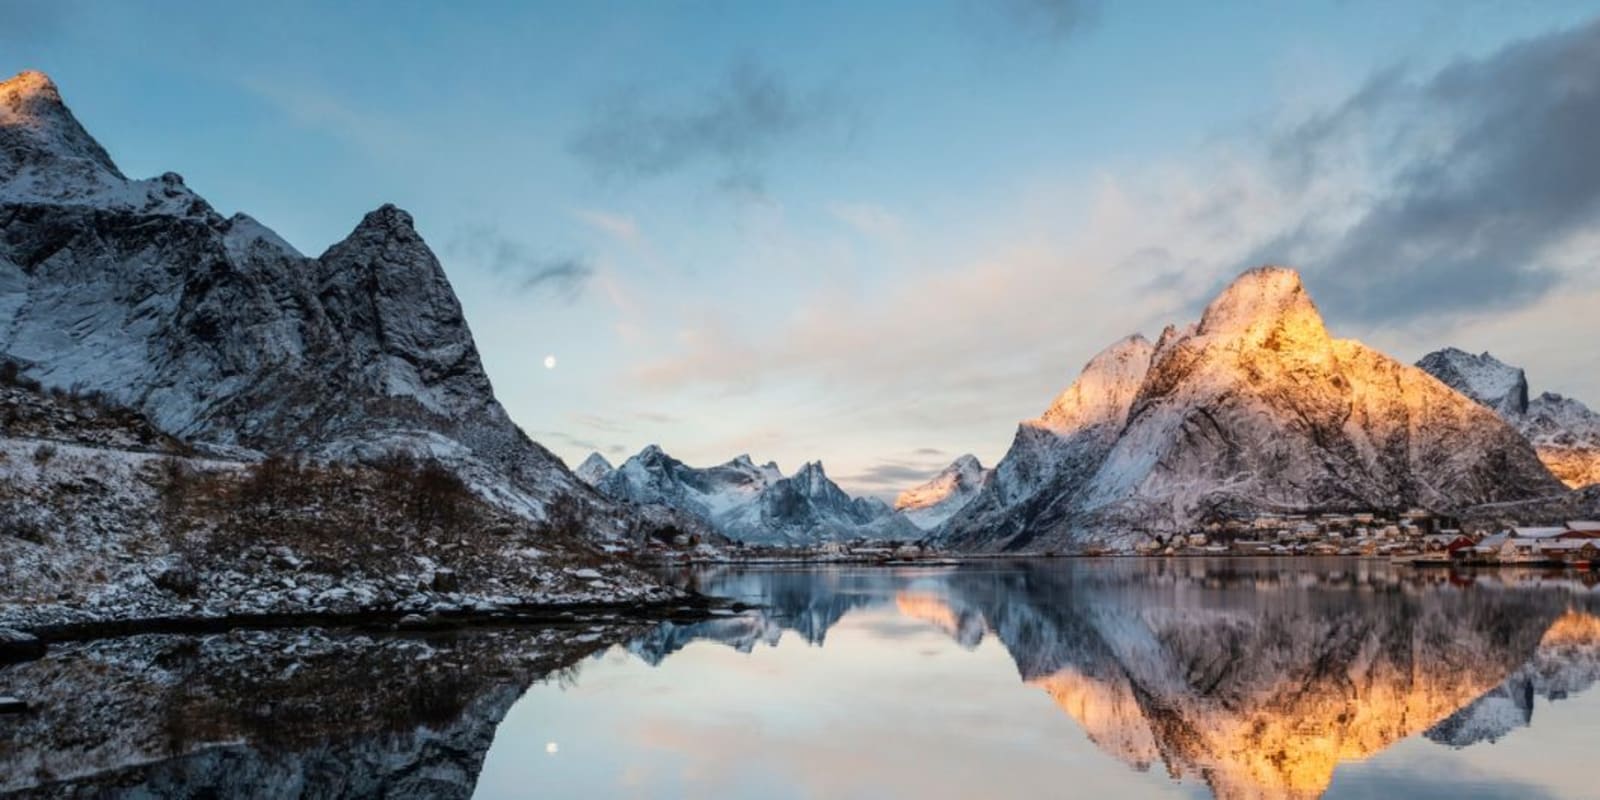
[{"x": 19, "y": 646}]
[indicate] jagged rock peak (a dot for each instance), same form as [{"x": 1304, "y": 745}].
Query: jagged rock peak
[
  {"x": 1482, "y": 377},
  {"x": 594, "y": 469},
  {"x": 1262, "y": 297},
  {"x": 388, "y": 217},
  {"x": 37, "y": 124}
]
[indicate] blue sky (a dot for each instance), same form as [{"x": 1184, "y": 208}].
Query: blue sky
[{"x": 880, "y": 233}]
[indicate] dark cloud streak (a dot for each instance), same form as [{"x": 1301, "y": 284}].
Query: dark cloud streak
[
  {"x": 1497, "y": 162},
  {"x": 734, "y": 126},
  {"x": 563, "y": 276}
]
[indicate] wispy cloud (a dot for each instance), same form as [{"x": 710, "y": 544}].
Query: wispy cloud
[
  {"x": 620, "y": 227},
  {"x": 580, "y": 443},
  {"x": 312, "y": 106},
  {"x": 563, "y": 276},
  {"x": 1049, "y": 20},
  {"x": 869, "y": 220},
  {"x": 733, "y": 127}
]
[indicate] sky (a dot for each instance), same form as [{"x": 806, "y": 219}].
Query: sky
[{"x": 880, "y": 234}]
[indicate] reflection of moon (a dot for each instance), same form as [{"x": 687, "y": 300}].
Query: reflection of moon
[{"x": 549, "y": 362}]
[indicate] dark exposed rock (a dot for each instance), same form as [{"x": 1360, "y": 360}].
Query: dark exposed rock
[{"x": 19, "y": 646}]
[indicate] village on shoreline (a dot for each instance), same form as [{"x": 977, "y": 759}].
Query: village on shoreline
[{"x": 1412, "y": 538}]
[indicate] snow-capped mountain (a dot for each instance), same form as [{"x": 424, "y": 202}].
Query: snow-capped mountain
[
  {"x": 1255, "y": 409},
  {"x": 927, "y": 506},
  {"x": 755, "y": 504},
  {"x": 594, "y": 469},
  {"x": 227, "y": 337},
  {"x": 1564, "y": 432}
]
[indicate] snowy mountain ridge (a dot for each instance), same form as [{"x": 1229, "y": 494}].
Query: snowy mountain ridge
[
  {"x": 752, "y": 503},
  {"x": 1564, "y": 432},
  {"x": 928, "y": 505}
]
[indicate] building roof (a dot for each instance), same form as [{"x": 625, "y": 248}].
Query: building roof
[
  {"x": 1585, "y": 525},
  {"x": 1565, "y": 544},
  {"x": 1538, "y": 533}
]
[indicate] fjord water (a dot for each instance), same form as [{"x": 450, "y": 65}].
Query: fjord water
[
  {"x": 1266, "y": 678},
  {"x": 1086, "y": 678}
]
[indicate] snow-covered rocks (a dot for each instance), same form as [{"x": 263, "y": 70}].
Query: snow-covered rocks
[
  {"x": 1483, "y": 378},
  {"x": 1564, "y": 432},
  {"x": 1256, "y": 409},
  {"x": 753, "y": 503},
  {"x": 928, "y": 505},
  {"x": 594, "y": 469}
]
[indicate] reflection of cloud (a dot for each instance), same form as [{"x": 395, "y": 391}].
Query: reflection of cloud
[
  {"x": 563, "y": 276},
  {"x": 733, "y": 126}
]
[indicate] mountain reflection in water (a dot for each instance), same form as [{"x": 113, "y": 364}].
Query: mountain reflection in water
[
  {"x": 1239, "y": 679},
  {"x": 1257, "y": 678}
]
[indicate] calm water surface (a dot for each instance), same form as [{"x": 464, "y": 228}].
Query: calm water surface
[
  {"x": 1112, "y": 678},
  {"x": 1097, "y": 678}
]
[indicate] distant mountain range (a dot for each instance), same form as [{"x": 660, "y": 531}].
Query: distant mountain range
[
  {"x": 1254, "y": 409},
  {"x": 749, "y": 503},
  {"x": 1564, "y": 432}
]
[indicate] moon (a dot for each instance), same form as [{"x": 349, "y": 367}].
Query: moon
[{"x": 549, "y": 362}]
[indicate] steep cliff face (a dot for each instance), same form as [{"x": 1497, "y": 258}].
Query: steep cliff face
[
  {"x": 1564, "y": 432},
  {"x": 225, "y": 336},
  {"x": 755, "y": 504},
  {"x": 1055, "y": 454},
  {"x": 1255, "y": 409}
]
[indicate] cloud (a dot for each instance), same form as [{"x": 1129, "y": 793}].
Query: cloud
[
  {"x": 310, "y": 106},
  {"x": 733, "y": 127},
  {"x": 1049, "y": 20},
  {"x": 888, "y": 477},
  {"x": 579, "y": 443},
  {"x": 871, "y": 221},
  {"x": 1490, "y": 166},
  {"x": 563, "y": 276},
  {"x": 621, "y": 227}
]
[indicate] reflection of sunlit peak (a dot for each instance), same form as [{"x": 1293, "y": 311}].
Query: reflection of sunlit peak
[
  {"x": 1108, "y": 713},
  {"x": 930, "y": 608},
  {"x": 1573, "y": 628}
]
